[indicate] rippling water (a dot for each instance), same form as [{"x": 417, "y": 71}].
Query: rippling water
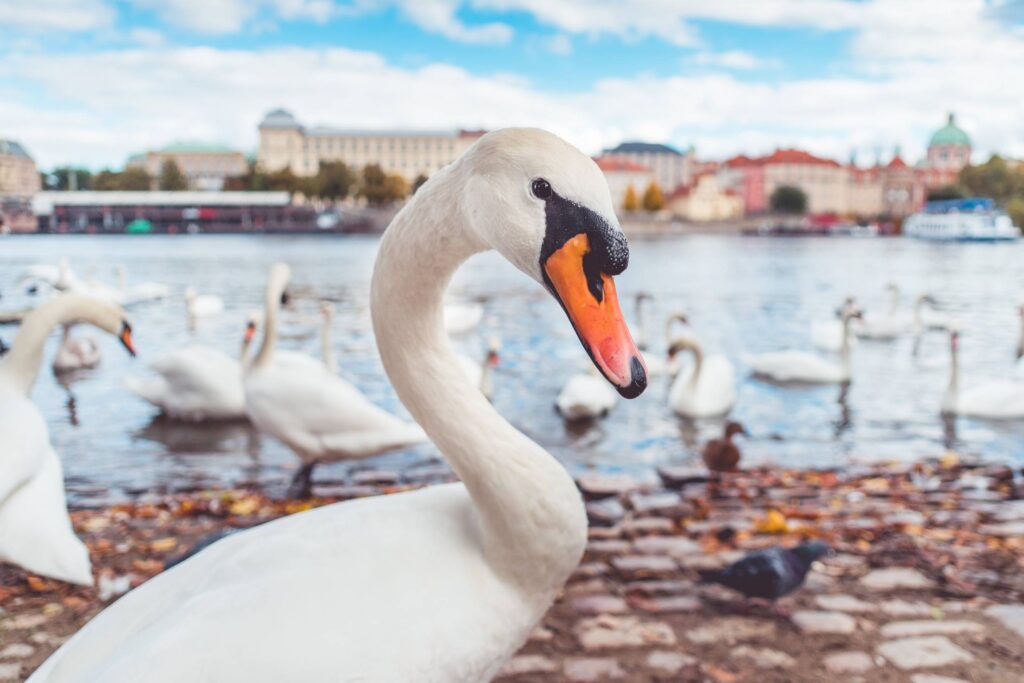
[{"x": 741, "y": 294}]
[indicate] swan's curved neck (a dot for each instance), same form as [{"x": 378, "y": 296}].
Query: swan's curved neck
[
  {"x": 325, "y": 344},
  {"x": 691, "y": 345},
  {"x": 529, "y": 514},
  {"x": 954, "y": 376},
  {"x": 844, "y": 350},
  {"x": 21, "y": 364},
  {"x": 272, "y": 307}
]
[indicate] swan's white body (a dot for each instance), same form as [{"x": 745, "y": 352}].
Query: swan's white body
[
  {"x": 317, "y": 414},
  {"x": 140, "y": 292},
  {"x": 705, "y": 388},
  {"x": 35, "y": 531},
  {"x": 76, "y": 353},
  {"x": 194, "y": 383},
  {"x": 585, "y": 396},
  {"x": 827, "y": 335},
  {"x": 802, "y": 367},
  {"x": 461, "y": 317},
  {"x": 891, "y": 325},
  {"x": 439, "y": 585},
  {"x": 993, "y": 400},
  {"x": 202, "y": 305}
]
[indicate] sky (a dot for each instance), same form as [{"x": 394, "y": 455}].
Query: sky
[{"x": 89, "y": 82}]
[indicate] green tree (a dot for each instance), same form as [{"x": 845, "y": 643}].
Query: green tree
[
  {"x": 1015, "y": 208},
  {"x": 134, "y": 178},
  {"x": 380, "y": 188},
  {"x": 106, "y": 180},
  {"x": 333, "y": 180},
  {"x": 418, "y": 183},
  {"x": 946, "y": 192},
  {"x": 630, "y": 202},
  {"x": 788, "y": 199},
  {"x": 66, "y": 178},
  {"x": 653, "y": 199},
  {"x": 994, "y": 178},
  {"x": 171, "y": 177}
]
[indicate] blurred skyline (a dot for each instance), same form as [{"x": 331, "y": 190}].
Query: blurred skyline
[{"x": 88, "y": 82}]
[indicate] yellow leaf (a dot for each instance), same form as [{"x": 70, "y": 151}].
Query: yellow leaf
[
  {"x": 774, "y": 522},
  {"x": 163, "y": 545}
]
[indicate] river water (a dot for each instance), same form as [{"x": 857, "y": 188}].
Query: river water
[{"x": 741, "y": 294}]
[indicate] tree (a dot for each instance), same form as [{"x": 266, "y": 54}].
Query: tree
[
  {"x": 334, "y": 180},
  {"x": 630, "y": 202},
  {"x": 1015, "y": 208},
  {"x": 946, "y": 192},
  {"x": 171, "y": 177},
  {"x": 380, "y": 188},
  {"x": 418, "y": 183},
  {"x": 68, "y": 178},
  {"x": 994, "y": 178},
  {"x": 788, "y": 199},
  {"x": 653, "y": 199},
  {"x": 134, "y": 178}
]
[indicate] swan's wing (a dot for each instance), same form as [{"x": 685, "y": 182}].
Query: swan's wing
[
  {"x": 194, "y": 382},
  {"x": 311, "y": 408},
  {"x": 387, "y": 589},
  {"x": 35, "y": 531},
  {"x": 24, "y": 442},
  {"x": 1000, "y": 399}
]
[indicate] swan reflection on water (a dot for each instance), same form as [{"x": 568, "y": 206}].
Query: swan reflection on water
[{"x": 187, "y": 438}]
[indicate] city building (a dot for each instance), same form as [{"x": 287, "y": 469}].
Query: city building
[
  {"x": 205, "y": 167},
  {"x": 622, "y": 174},
  {"x": 704, "y": 199},
  {"x": 824, "y": 181},
  {"x": 170, "y": 212},
  {"x": 949, "y": 150},
  {"x": 285, "y": 143},
  {"x": 18, "y": 174},
  {"x": 671, "y": 168}
]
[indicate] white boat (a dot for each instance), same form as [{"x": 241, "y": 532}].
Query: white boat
[{"x": 961, "y": 220}]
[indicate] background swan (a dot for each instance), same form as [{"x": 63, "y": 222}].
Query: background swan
[
  {"x": 440, "y": 585},
  {"x": 704, "y": 388},
  {"x": 585, "y": 395},
  {"x": 202, "y": 305},
  {"x": 196, "y": 383},
  {"x": 828, "y": 335},
  {"x": 1018, "y": 370},
  {"x": 77, "y": 352},
  {"x": 35, "y": 531},
  {"x": 480, "y": 373},
  {"x": 995, "y": 399},
  {"x": 804, "y": 367},
  {"x": 140, "y": 292},
  {"x": 886, "y": 326},
  {"x": 318, "y": 415}
]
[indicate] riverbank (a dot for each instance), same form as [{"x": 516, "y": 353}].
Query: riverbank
[{"x": 926, "y": 579}]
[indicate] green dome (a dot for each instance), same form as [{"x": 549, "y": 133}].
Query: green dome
[{"x": 950, "y": 134}]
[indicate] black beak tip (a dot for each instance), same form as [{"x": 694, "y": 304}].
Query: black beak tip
[{"x": 639, "y": 380}]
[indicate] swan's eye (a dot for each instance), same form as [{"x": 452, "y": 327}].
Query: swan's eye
[{"x": 541, "y": 188}]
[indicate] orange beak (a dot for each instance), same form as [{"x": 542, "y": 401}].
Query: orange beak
[
  {"x": 126, "y": 338},
  {"x": 250, "y": 332},
  {"x": 596, "y": 317}
]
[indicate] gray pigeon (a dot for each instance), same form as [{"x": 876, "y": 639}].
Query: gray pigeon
[{"x": 770, "y": 573}]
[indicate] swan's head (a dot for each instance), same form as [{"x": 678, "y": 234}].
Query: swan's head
[
  {"x": 190, "y": 294},
  {"x": 277, "y": 283},
  {"x": 102, "y": 314},
  {"x": 545, "y": 206},
  {"x": 252, "y": 321}
]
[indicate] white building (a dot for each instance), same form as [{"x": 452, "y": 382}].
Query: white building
[
  {"x": 622, "y": 174},
  {"x": 671, "y": 168},
  {"x": 285, "y": 143}
]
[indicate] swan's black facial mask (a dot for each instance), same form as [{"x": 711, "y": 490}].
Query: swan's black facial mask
[{"x": 580, "y": 254}]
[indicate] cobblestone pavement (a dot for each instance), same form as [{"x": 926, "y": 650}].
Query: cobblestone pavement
[{"x": 925, "y": 585}]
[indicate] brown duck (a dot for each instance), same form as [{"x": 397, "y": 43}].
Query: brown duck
[{"x": 722, "y": 455}]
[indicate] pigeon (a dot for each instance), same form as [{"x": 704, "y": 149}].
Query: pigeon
[
  {"x": 722, "y": 455},
  {"x": 768, "y": 574}
]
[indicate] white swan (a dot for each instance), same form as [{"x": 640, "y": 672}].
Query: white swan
[
  {"x": 827, "y": 335},
  {"x": 994, "y": 400},
  {"x": 462, "y": 316},
  {"x": 481, "y": 373},
  {"x": 318, "y": 415},
  {"x": 326, "y": 350},
  {"x": 891, "y": 325},
  {"x": 202, "y": 305},
  {"x": 196, "y": 383},
  {"x": 140, "y": 292},
  {"x": 35, "y": 531},
  {"x": 440, "y": 585},
  {"x": 585, "y": 396},
  {"x": 707, "y": 388},
  {"x": 803, "y": 367},
  {"x": 75, "y": 353}
]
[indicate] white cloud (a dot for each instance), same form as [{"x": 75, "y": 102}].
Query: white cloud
[
  {"x": 147, "y": 37},
  {"x": 218, "y": 17},
  {"x": 55, "y": 15},
  {"x": 733, "y": 59},
  {"x": 559, "y": 44}
]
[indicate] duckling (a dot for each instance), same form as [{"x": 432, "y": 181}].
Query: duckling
[{"x": 722, "y": 455}]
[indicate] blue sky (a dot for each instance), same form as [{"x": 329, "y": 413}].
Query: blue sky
[{"x": 90, "y": 81}]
